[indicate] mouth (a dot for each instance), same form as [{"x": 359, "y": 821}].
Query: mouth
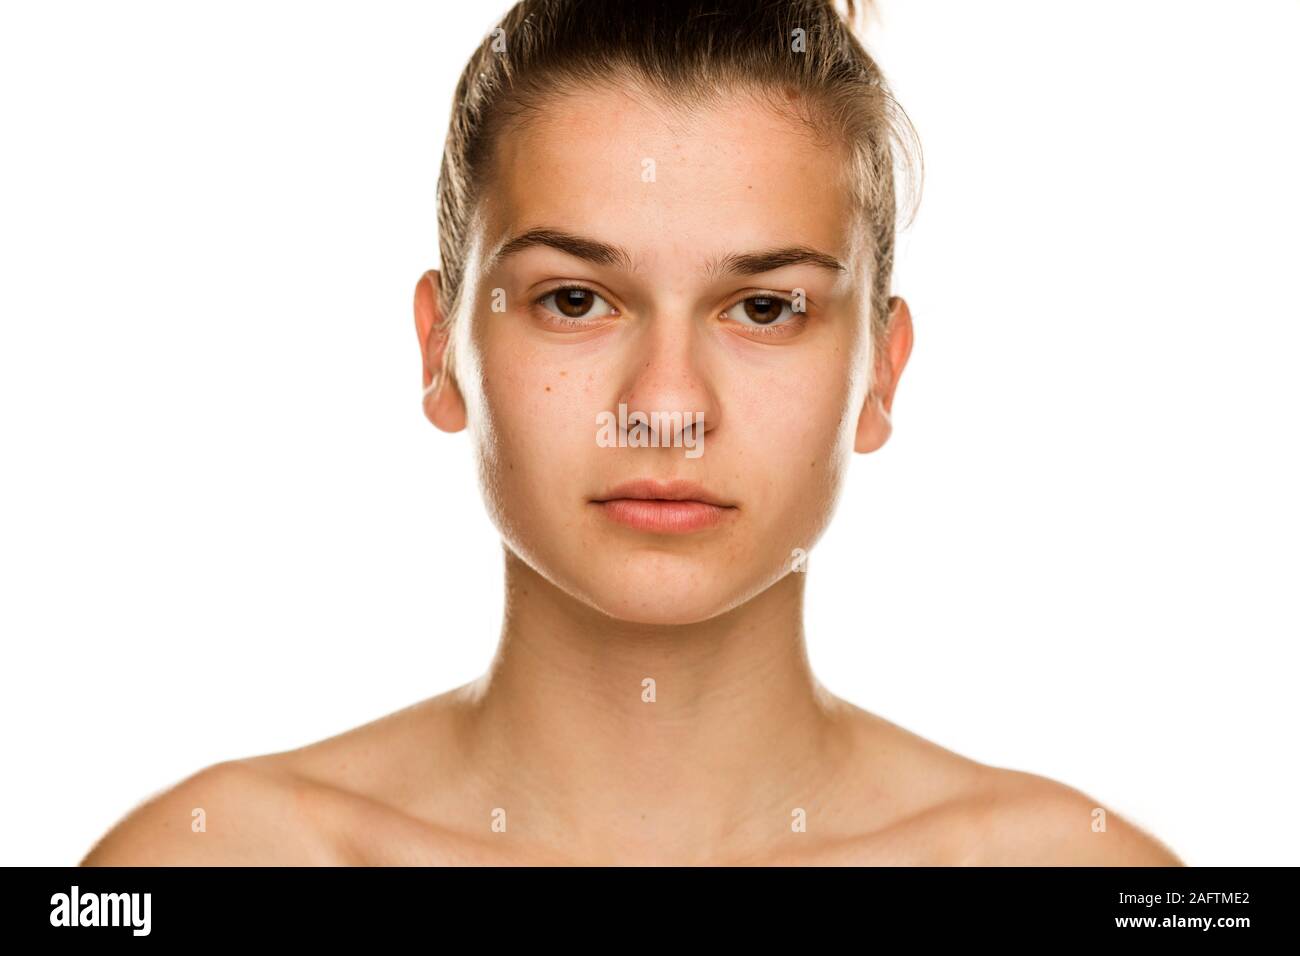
[{"x": 664, "y": 507}]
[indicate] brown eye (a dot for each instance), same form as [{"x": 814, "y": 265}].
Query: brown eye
[
  {"x": 572, "y": 304},
  {"x": 575, "y": 303},
  {"x": 763, "y": 309}
]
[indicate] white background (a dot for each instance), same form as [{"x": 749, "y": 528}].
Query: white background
[{"x": 226, "y": 528}]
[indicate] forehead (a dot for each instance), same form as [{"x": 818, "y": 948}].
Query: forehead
[{"x": 673, "y": 187}]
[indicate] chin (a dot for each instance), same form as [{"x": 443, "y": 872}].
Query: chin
[
  {"x": 653, "y": 581},
  {"x": 663, "y": 589},
  {"x": 659, "y": 607}
]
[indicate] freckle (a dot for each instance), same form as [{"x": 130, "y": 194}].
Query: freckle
[
  {"x": 813, "y": 463},
  {"x": 548, "y": 388},
  {"x": 562, "y": 374}
]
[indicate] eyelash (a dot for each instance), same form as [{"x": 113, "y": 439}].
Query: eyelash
[
  {"x": 797, "y": 320},
  {"x": 770, "y": 330},
  {"x": 564, "y": 319}
]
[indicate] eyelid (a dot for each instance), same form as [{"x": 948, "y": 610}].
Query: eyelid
[
  {"x": 787, "y": 297},
  {"x": 796, "y": 320},
  {"x": 569, "y": 284},
  {"x": 538, "y": 299},
  {"x": 572, "y": 284},
  {"x": 770, "y": 294},
  {"x": 765, "y": 294}
]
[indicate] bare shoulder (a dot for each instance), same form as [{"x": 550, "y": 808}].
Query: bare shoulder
[
  {"x": 349, "y": 798},
  {"x": 1024, "y": 819},
  {"x": 244, "y": 812},
  {"x": 947, "y": 809}
]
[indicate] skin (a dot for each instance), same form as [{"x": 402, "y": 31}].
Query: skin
[{"x": 741, "y": 735}]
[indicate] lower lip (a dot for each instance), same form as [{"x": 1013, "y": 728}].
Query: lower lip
[{"x": 664, "y": 517}]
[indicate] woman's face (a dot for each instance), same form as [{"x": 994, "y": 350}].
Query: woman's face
[{"x": 667, "y": 307}]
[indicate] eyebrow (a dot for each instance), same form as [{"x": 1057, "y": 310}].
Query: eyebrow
[{"x": 607, "y": 254}]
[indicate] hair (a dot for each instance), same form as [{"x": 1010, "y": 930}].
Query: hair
[{"x": 691, "y": 52}]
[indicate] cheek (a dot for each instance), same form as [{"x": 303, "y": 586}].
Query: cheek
[
  {"x": 793, "y": 439},
  {"x": 540, "y": 426}
]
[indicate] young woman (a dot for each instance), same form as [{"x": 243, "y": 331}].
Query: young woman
[{"x": 663, "y": 314}]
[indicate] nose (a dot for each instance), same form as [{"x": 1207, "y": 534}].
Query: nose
[{"x": 668, "y": 372}]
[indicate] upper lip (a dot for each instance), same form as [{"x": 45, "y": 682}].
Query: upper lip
[{"x": 678, "y": 489}]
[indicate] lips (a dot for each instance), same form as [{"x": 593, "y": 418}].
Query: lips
[
  {"x": 678, "y": 489},
  {"x": 664, "y": 507}
]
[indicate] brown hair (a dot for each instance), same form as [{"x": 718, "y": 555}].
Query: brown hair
[{"x": 690, "y": 51}]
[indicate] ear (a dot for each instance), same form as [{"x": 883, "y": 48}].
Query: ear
[
  {"x": 443, "y": 402},
  {"x": 874, "y": 425}
]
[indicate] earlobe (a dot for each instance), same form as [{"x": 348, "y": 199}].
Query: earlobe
[
  {"x": 874, "y": 426},
  {"x": 443, "y": 404}
]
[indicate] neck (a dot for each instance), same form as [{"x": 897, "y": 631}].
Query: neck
[{"x": 595, "y": 762}]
